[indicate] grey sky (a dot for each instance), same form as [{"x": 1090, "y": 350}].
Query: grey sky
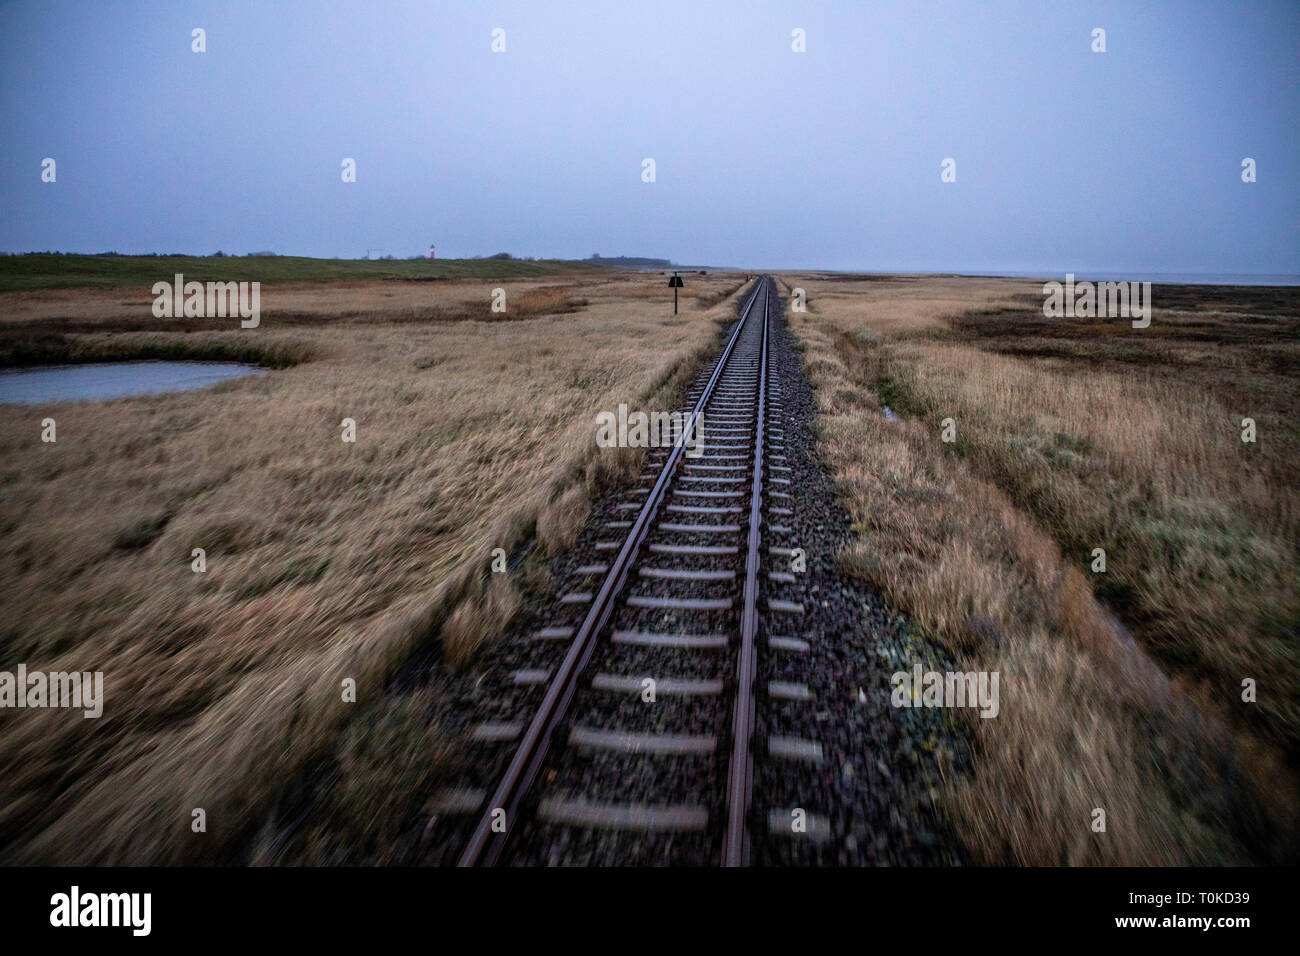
[{"x": 1066, "y": 159}]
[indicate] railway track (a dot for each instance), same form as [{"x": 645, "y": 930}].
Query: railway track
[{"x": 646, "y": 728}]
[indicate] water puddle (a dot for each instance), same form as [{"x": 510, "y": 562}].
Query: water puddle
[{"x": 101, "y": 380}]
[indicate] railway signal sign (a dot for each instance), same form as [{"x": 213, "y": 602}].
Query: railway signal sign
[{"x": 676, "y": 282}]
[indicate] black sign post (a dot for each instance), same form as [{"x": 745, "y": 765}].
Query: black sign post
[{"x": 676, "y": 283}]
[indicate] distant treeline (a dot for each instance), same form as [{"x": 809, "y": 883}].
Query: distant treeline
[
  {"x": 613, "y": 262},
  {"x": 144, "y": 255},
  {"x": 629, "y": 262}
]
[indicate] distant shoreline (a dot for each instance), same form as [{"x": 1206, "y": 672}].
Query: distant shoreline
[
  {"x": 1160, "y": 278},
  {"x": 1156, "y": 278}
]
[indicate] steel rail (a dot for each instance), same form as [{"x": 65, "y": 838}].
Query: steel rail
[
  {"x": 735, "y": 842},
  {"x": 494, "y": 828}
]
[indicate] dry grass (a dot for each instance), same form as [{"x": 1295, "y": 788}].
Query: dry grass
[
  {"x": 559, "y": 525},
  {"x": 398, "y": 748},
  {"x": 325, "y": 560},
  {"x": 968, "y": 538},
  {"x": 482, "y": 613},
  {"x": 77, "y": 325},
  {"x": 1199, "y": 528}
]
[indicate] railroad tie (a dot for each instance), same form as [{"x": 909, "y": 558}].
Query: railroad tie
[
  {"x": 673, "y": 686},
  {"x": 623, "y": 816},
  {"x": 633, "y": 743},
  {"x": 798, "y": 824},
  {"x": 679, "y": 641},
  {"x": 794, "y": 748}
]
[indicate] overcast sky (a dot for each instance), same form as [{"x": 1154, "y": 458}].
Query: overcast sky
[{"x": 1066, "y": 159}]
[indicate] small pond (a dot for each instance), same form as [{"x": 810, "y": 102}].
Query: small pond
[{"x": 100, "y": 380}]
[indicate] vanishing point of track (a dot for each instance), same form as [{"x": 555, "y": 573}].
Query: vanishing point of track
[{"x": 699, "y": 509}]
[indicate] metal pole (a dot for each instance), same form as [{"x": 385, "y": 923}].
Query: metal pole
[{"x": 674, "y": 300}]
